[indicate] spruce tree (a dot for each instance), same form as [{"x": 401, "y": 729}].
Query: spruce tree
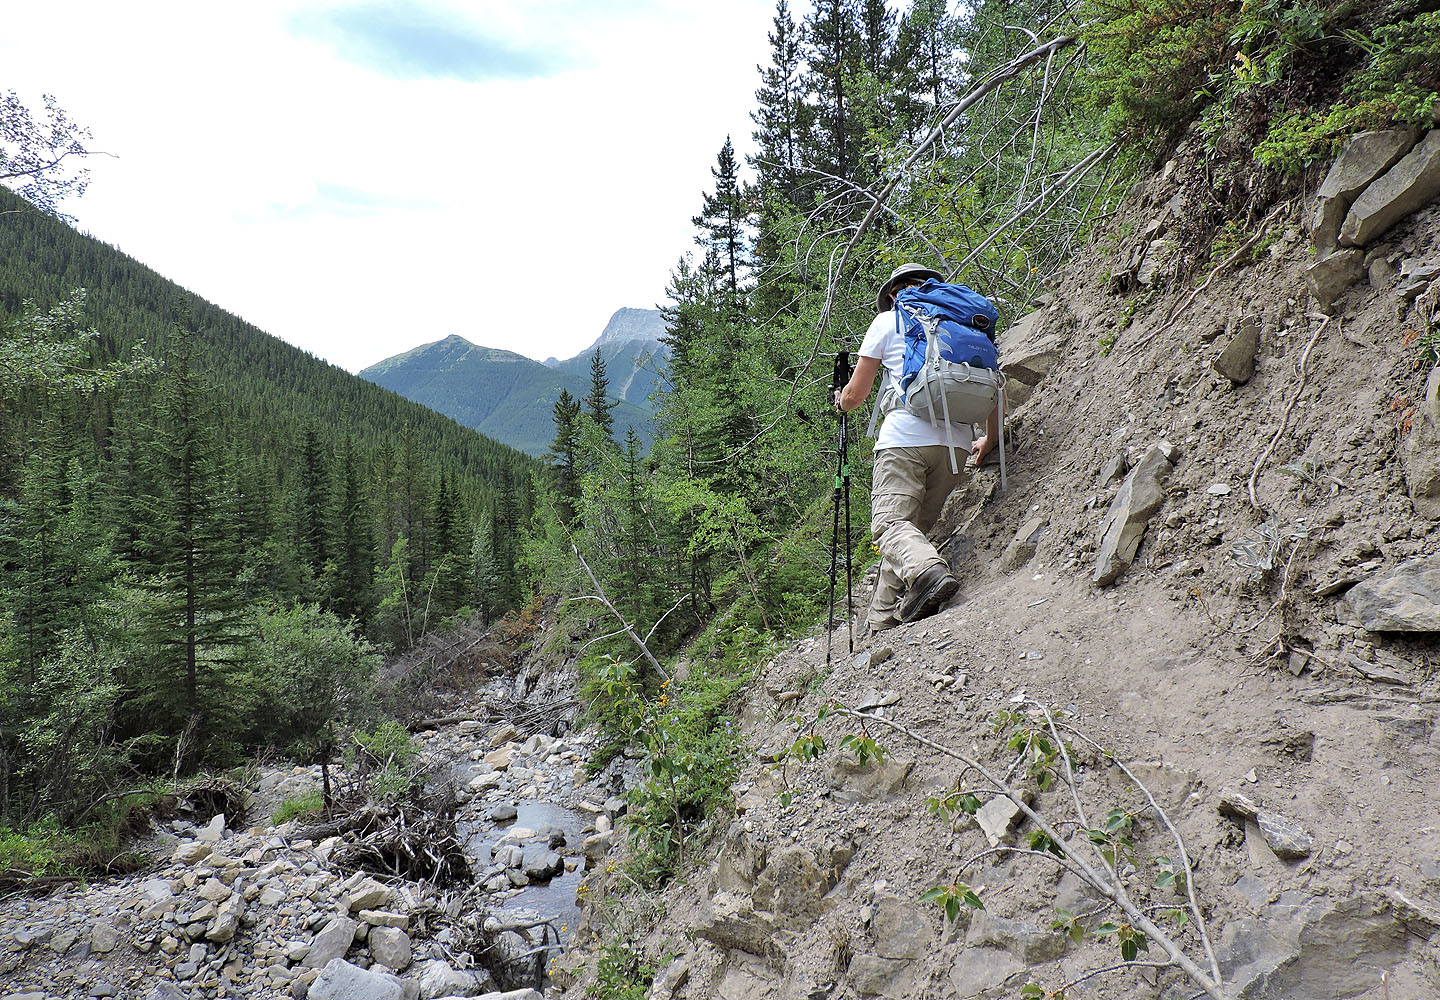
[
  {"x": 564, "y": 454},
  {"x": 598, "y": 403},
  {"x": 313, "y": 517},
  {"x": 782, "y": 118},
  {"x": 186, "y": 549},
  {"x": 832, "y": 34},
  {"x": 354, "y": 581},
  {"x": 722, "y": 231}
]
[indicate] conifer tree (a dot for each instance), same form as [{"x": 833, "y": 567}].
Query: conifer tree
[
  {"x": 312, "y": 519},
  {"x": 564, "y": 454},
  {"x": 355, "y": 575},
  {"x": 782, "y": 117},
  {"x": 186, "y": 549},
  {"x": 722, "y": 231},
  {"x": 832, "y": 34},
  {"x": 598, "y": 403}
]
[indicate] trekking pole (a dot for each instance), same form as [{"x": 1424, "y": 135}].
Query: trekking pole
[{"x": 842, "y": 486}]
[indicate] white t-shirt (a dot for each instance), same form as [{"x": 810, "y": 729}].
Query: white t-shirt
[{"x": 902, "y": 429}]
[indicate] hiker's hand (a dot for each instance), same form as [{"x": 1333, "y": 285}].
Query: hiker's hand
[
  {"x": 983, "y": 446},
  {"x": 838, "y": 407}
]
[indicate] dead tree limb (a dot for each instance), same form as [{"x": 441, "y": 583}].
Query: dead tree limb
[
  {"x": 1284, "y": 418},
  {"x": 1107, "y": 883},
  {"x": 599, "y": 595}
]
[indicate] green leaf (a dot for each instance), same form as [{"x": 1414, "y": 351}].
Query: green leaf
[
  {"x": 970, "y": 803},
  {"x": 1128, "y": 951}
]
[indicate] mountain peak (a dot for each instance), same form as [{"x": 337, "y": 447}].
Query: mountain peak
[{"x": 632, "y": 325}]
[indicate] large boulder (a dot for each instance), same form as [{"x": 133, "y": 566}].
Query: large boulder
[
  {"x": 331, "y": 943},
  {"x": 1329, "y": 277},
  {"x": 1406, "y": 600},
  {"x": 1365, "y": 157},
  {"x": 1420, "y": 451},
  {"x": 1138, "y": 500},
  {"x": 340, "y": 980},
  {"x": 1401, "y": 190}
]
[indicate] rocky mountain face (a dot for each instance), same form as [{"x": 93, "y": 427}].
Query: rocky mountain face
[
  {"x": 511, "y": 398},
  {"x": 633, "y": 354},
  {"x": 1184, "y": 707}
]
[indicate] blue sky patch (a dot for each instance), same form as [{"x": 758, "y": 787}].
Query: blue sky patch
[{"x": 408, "y": 41}]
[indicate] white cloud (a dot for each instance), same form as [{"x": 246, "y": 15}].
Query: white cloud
[{"x": 357, "y": 214}]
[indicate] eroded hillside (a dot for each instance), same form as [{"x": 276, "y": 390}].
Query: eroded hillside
[{"x": 1264, "y": 664}]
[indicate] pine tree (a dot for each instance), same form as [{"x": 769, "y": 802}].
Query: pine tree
[{"x": 598, "y": 403}]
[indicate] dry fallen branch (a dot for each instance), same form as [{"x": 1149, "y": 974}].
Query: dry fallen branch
[
  {"x": 1285, "y": 417},
  {"x": 1104, "y": 879}
]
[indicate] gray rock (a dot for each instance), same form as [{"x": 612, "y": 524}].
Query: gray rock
[
  {"x": 369, "y": 895},
  {"x": 104, "y": 938},
  {"x": 867, "y": 658},
  {"x": 902, "y": 928},
  {"x": 1286, "y": 837},
  {"x": 1365, "y": 157},
  {"x": 1313, "y": 947},
  {"x": 214, "y": 831},
  {"x": 1420, "y": 451},
  {"x": 542, "y": 865},
  {"x": 227, "y": 921},
  {"x": 331, "y": 943},
  {"x": 731, "y": 921},
  {"x": 1405, "y": 600},
  {"x": 102, "y": 989},
  {"x": 192, "y": 851},
  {"x": 166, "y": 991},
  {"x": 1114, "y": 470},
  {"x": 1237, "y": 361},
  {"x": 1238, "y": 804},
  {"x": 616, "y": 806},
  {"x": 670, "y": 979},
  {"x": 597, "y": 845},
  {"x": 875, "y": 976},
  {"x": 438, "y": 979},
  {"x": 1029, "y": 943},
  {"x": 979, "y": 969},
  {"x": 793, "y": 884},
  {"x": 852, "y": 781},
  {"x": 525, "y": 994},
  {"x": 342, "y": 981},
  {"x": 998, "y": 819},
  {"x": 1329, "y": 277},
  {"x": 390, "y": 946},
  {"x": 503, "y": 813},
  {"x": 385, "y": 918},
  {"x": 1140, "y": 496},
  {"x": 1027, "y": 352},
  {"x": 1022, "y": 547},
  {"x": 872, "y": 698},
  {"x": 1404, "y": 188},
  {"x": 1157, "y": 255}
]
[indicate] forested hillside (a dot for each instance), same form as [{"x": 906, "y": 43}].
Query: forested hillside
[
  {"x": 501, "y": 394},
  {"x": 205, "y": 548}
]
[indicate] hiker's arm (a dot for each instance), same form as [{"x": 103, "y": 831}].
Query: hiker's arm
[
  {"x": 857, "y": 390},
  {"x": 985, "y": 445}
]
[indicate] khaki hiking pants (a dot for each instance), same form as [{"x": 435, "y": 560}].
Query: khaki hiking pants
[{"x": 908, "y": 489}]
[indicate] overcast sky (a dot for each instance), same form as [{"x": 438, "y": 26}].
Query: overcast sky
[{"x": 362, "y": 177}]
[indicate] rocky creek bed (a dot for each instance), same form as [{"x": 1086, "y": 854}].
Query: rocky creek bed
[{"x": 235, "y": 906}]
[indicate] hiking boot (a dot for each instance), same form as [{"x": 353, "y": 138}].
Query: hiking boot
[{"x": 931, "y": 589}]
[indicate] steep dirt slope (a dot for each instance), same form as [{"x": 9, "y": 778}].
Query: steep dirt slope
[{"x": 1211, "y": 680}]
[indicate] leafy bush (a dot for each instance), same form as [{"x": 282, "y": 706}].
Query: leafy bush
[{"x": 1284, "y": 80}]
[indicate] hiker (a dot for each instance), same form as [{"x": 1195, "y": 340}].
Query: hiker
[{"x": 913, "y": 472}]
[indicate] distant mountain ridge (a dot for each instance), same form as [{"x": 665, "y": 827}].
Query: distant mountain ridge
[{"x": 511, "y": 398}]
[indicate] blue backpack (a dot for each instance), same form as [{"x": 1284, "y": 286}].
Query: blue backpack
[{"x": 952, "y": 371}]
